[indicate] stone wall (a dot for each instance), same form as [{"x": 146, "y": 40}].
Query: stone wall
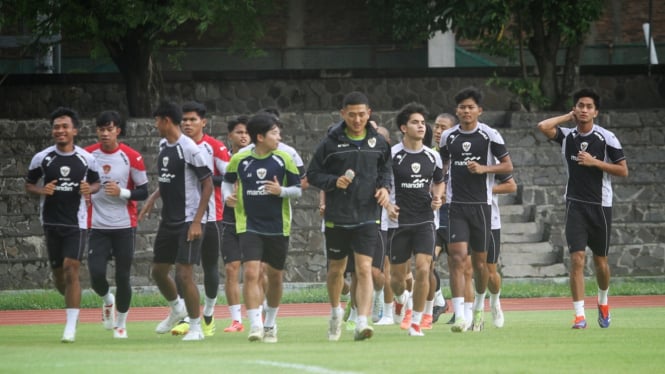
[{"x": 639, "y": 215}]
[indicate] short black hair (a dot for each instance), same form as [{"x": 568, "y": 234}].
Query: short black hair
[
  {"x": 469, "y": 93},
  {"x": 407, "y": 110},
  {"x": 355, "y": 98},
  {"x": 233, "y": 122},
  {"x": 587, "y": 92},
  {"x": 169, "y": 109},
  {"x": 272, "y": 111},
  {"x": 195, "y": 106},
  {"x": 260, "y": 124},
  {"x": 111, "y": 116},
  {"x": 69, "y": 112}
]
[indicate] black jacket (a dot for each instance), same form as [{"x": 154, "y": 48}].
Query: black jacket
[{"x": 371, "y": 163}]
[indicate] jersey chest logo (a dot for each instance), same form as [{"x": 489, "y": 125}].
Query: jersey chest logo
[
  {"x": 371, "y": 142},
  {"x": 165, "y": 161},
  {"x": 415, "y": 167},
  {"x": 261, "y": 173},
  {"x": 584, "y": 146},
  {"x": 466, "y": 146},
  {"x": 64, "y": 171}
]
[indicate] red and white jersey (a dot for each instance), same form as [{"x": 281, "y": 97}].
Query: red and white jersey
[
  {"x": 125, "y": 167},
  {"x": 217, "y": 157}
]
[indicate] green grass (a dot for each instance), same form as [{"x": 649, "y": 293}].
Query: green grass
[
  {"x": 50, "y": 299},
  {"x": 540, "y": 342}
]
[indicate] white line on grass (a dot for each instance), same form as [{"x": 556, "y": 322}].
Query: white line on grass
[{"x": 305, "y": 368}]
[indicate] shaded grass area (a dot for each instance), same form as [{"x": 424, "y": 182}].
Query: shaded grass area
[
  {"x": 316, "y": 293},
  {"x": 530, "y": 342}
]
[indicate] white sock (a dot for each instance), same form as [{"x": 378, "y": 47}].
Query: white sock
[
  {"x": 494, "y": 299},
  {"x": 579, "y": 308},
  {"x": 271, "y": 316},
  {"x": 479, "y": 301},
  {"x": 209, "y": 306},
  {"x": 439, "y": 300},
  {"x": 177, "y": 304},
  {"x": 254, "y": 316},
  {"x": 121, "y": 320},
  {"x": 361, "y": 322},
  {"x": 458, "y": 307},
  {"x": 109, "y": 299},
  {"x": 235, "y": 311},
  {"x": 468, "y": 312},
  {"x": 388, "y": 310},
  {"x": 403, "y": 298},
  {"x": 353, "y": 315},
  {"x": 416, "y": 317},
  {"x": 72, "y": 319},
  {"x": 429, "y": 307},
  {"x": 602, "y": 296},
  {"x": 195, "y": 324}
]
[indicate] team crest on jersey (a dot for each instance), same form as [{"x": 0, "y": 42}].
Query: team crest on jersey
[
  {"x": 165, "y": 161},
  {"x": 64, "y": 171},
  {"x": 466, "y": 146},
  {"x": 106, "y": 168},
  {"x": 415, "y": 167},
  {"x": 371, "y": 142},
  {"x": 584, "y": 146},
  {"x": 261, "y": 173}
]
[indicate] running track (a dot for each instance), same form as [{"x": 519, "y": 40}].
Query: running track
[{"x": 13, "y": 317}]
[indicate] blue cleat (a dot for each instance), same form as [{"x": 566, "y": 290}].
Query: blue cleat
[{"x": 604, "y": 317}]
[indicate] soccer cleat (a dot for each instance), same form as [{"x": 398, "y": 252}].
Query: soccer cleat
[
  {"x": 398, "y": 314},
  {"x": 451, "y": 321},
  {"x": 119, "y": 333},
  {"x": 255, "y": 334},
  {"x": 270, "y": 334},
  {"x": 347, "y": 311},
  {"x": 182, "y": 328},
  {"x": 377, "y": 307},
  {"x": 385, "y": 321},
  {"x": 604, "y": 317},
  {"x": 497, "y": 316},
  {"x": 350, "y": 325},
  {"x": 459, "y": 325},
  {"x": 415, "y": 330},
  {"x": 406, "y": 321},
  {"x": 334, "y": 329},
  {"x": 208, "y": 329},
  {"x": 364, "y": 333},
  {"x": 426, "y": 322},
  {"x": 169, "y": 322},
  {"x": 68, "y": 336},
  {"x": 579, "y": 323},
  {"x": 235, "y": 326},
  {"x": 478, "y": 320},
  {"x": 108, "y": 315},
  {"x": 438, "y": 311},
  {"x": 193, "y": 335}
]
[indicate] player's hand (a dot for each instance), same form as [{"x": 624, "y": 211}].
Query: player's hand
[
  {"x": 393, "y": 212},
  {"x": 84, "y": 188},
  {"x": 111, "y": 188},
  {"x": 194, "y": 231},
  {"x": 585, "y": 159},
  {"x": 49, "y": 188},
  {"x": 146, "y": 209},
  {"x": 382, "y": 197},
  {"x": 231, "y": 200},
  {"x": 343, "y": 182},
  {"x": 475, "y": 168},
  {"x": 436, "y": 202},
  {"x": 273, "y": 187}
]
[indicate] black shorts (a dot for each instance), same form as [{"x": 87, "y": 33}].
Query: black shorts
[
  {"x": 104, "y": 244},
  {"x": 230, "y": 244},
  {"x": 212, "y": 242},
  {"x": 470, "y": 223},
  {"x": 588, "y": 225},
  {"x": 379, "y": 257},
  {"x": 64, "y": 242},
  {"x": 411, "y": 240},
  {"x": 442, "y": 238},
  {"x": 494, "y": 249},
  {"x": 343, "y": 241},
  {"x": 171, "y": 245},
  {"x": 270, "y": 249}
]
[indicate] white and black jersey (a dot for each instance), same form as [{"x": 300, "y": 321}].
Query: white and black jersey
[
  {"x": 66, "y": 207},
  {"x": 180, "y": 167},
  {"x": 483, "y": 145},
  {"x": 414, "y": 172},
  {"x": 585, "y": 184}
]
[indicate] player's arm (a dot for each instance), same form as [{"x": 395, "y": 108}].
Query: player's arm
[
  {"x": 619, "y": 169},
  {"x": 505, "y": 187},
  {"x": 47, "y": 189},
  {"x": 148, "y": 205},
  {"x": 548, "y": 126},
  {"x": 195, "y": 231}
]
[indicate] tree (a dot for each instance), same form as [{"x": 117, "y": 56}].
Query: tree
[
  {"x": 503, "y": 28},
  {"x": 131, "y": 31}
]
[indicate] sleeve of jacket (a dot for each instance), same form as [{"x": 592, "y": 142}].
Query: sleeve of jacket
[
  {"x": 317, "y": 175},
  {"x": 385, "y": 170}
]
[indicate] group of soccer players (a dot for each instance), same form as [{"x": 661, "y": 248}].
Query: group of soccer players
[{"x": 400, "y": 206}]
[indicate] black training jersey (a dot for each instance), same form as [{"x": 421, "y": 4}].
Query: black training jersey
[
  {"x": 414, "y": 172},
  {"x": 589, "y": 184},
  {"x": 180, "y": 167},
  {"x": 66, "y": 207},
  {"x": 483, "y": 145}
]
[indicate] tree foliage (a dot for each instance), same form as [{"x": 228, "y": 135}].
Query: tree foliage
[
  {"x": 503, "y": 28},
  {"x": 131, "y": 31}
]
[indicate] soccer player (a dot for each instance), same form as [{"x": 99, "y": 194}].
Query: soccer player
[
  {"x": 185, "y": 186},
  {"x": 469, "y": 152},
  {"x": 592, "y": 154},
  {"x": 352, "y": 166},
  {"x": 267, "y": 180},
  {"x": 231, "y": 254},
  {"x": 217, "y": 157},
  {"x": 113, "y": 218},
  {"x": 62, "y": 175},
  {"x": 418, "y": 187}
]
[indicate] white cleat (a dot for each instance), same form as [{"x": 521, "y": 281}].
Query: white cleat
[{"x": 497, "y": 316}]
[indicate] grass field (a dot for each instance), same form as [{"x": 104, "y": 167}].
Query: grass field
[{"x": 531, "y": 342}]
